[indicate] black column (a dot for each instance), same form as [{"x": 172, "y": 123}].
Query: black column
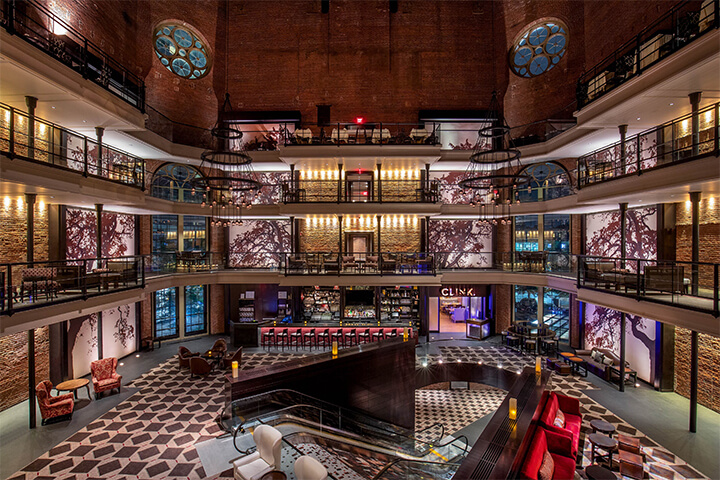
[
  {"x": 98, "y": 232},
  {"x": 695, "y": 239},
  {"x": 30, "y": 221},
  {"x": 296, "y": 237},
  {"x": 379, "y": 228},
  {"x": 623, "y": 233},
  {"x": 31, "y": 377},
  {"x": 379, "y": 182},
  {"x": 423, "y": 234},
  {"x": 623, "y": 148},
  {"x": 695, "y": 104},
  {"x": 99, "y": 131},
  {"x": 340, "y": 183},
  {"x": 31, "y": 103},
  {"x": 340, "y": 238},
  {"x": 622, "y": 351},
  {"x": 293, "y": 232},
  {"x": 693, "y": 380}
]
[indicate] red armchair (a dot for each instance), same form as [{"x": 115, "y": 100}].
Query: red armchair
[
  {"x": 184, "y": 356},
  {"x": 104, "y": 376},
  {"x": 57, "y": 408},
  {"x": 563, "y": 466},
  {"x": 570, "y": 407}
]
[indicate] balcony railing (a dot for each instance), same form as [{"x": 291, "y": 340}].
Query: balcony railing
[
  {"x": 690, "y": 285},
  {"x": 361, "y": 134},
  {"x": 28, "y": 285},
  {"x": 667, "y": 144},
  {"x": 385, "y": 263},
  {"x": 683, "y": 24},
  {"x": 39, "y": 27},
  {"x": 45, "y": 142},
  {"x": 340, "y": 191},
  {"x": 184, "y": 262}
]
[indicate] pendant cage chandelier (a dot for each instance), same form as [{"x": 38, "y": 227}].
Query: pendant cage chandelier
[
  {"x": 493, "y": 173},
  {"x": 232, "y": 184}
]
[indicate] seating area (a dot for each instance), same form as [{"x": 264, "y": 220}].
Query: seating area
[
  {"x": 53, "y": 408},
  {"x": 309, "y": 337},
  {"x": 105, "y": 376},
  {"x": 352, "y": 134}
]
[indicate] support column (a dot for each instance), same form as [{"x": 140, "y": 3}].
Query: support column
[
  {"x": 623, "y": 233},
  {"x": 99, "y": 131},
  {"x": 30, "y": 221},
  {"x": 31, "y": 103},
  {"x": 293, "y": 232},
  {"x": 695, "y": 104},
  {"x": 379, "y": 182},
  {"x": 695, "y": 240},
  {"x": 31, "y": 377},
  {"x": 293, "y": 183},
  {"x": 340, "y": 238},
  {"x": 423, "y": 234},
  {"x": 622, "y": 351},
  {"x": 623, "y": 148},
  {"x": 340, "y": 183},
  {"x": 693, "y": 380},
  {"x": 379, "y": 229},
  {"x": 98, "y": 232}
]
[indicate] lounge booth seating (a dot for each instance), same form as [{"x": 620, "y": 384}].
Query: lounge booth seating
[
  {"x": 550, "y": 452},
  {"x": 219, "y": 347},
  {"x": 599, "y": 361},
  {"x": 266, "y": 458},
  {"x": 561, "y": 415},
  {"x": 104, "y": 376},
  {"x": 52, "y": 408}
]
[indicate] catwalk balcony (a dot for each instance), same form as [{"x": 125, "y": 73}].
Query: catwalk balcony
[
  {"x": 669, "y": 144},
  {"x": 360, "y": 190},
  {"x": 35, "y": 24},
  {"x": 683, "y": 24},
  {"x": 39, "y": 141}
]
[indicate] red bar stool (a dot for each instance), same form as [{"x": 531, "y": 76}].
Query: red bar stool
[
  {"x": 351, "y": 337},
  {"x": 296, "y": 336},
  {"x": 379, "y": 335},
  {"x": 364, "y": 336},
  {"x": 338, "y": 337},
  {"x": 324, "y": 337},
  {"x": 309, "y": 338},
  {"x": 268, "y": 338}
]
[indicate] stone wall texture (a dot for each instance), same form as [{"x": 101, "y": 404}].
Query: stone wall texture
[
  {"x": 13, "y": 224},
  {"x": 14, "y": 365},
  {"x": 709, "y": 237},
  {"x": 708, "y": 367},
  {"x": 396, "y": 235}
]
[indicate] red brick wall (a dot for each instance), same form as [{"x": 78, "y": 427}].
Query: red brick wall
[
  {"x": 503, "y": 307},
  {"x": 709, "y": 236},
  {"x": 13, "y": 224},
  {"x": 14, "y": 365},
  {"x": 708, "y": 367},
  {"x": 217, "y": 309}
]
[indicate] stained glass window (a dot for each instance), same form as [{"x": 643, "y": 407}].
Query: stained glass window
[
  {"x": 538, "y": 48},
  {"x": 182, "y": 50},
  {"x": 195, "y": 309},
  {"x": 166, "y": 324}
]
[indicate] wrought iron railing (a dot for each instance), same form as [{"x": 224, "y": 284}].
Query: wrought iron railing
[
  {"x": 671, "y": 143},
  {"x": 684, "y": 23},
  {"x": 184, "y": 262},
  {"x": 340, "y": 191},
  {"x": 384, "y": 263},
  {"x": 38, "y": 140},
  {"x": 35, "y": 24},
  {"x": 27, "y": 285},
  {"x": 691, "y": 285}
]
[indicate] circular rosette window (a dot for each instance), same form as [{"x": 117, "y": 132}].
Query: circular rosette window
[
  {"x": 538, "y": 48},
  {"x": 182, "y": 50}
]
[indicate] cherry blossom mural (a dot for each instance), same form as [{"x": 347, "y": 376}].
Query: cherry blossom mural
[
  {"x": 82, "y": 343},
  {"x": 461, "y": 243},
  {"x": 270, "y": 192},
  {"x": 118, "y": 234},
  {"x": 450, "y": 193},
  {"x": 602, "y": 330},
  {"x": 259, "y": 243},
  {"x": 118, "y": 327},
  {"x": 603, "y": 234}
]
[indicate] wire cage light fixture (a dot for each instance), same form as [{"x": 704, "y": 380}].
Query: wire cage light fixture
[{"x": 232, "y": 184}]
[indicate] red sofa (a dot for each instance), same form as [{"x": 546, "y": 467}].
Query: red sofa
[
  {"x": 559, "y": 448},
  {"x": 573, "y": 418}
]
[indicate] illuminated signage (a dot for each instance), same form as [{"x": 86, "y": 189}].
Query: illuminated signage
[{"x": 457, "y": 292}]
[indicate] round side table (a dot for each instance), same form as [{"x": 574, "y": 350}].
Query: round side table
[
  {"x": 598, "y": 472},
  {"x": 603, "y": 427},
  {"x": 598, "y": 440}
]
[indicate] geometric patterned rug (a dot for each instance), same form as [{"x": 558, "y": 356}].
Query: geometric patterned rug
[{"x": 152, "y": 434}]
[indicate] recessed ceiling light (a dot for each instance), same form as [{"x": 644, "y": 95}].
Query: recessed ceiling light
[
  {"x": 638, "y": 118},
  {"x": 85, "y": 121},
  {"x": 53, "y": 107},
  {"x": 671, "y": 104}
]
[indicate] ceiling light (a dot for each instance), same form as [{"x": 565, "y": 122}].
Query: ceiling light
[
  {"x": 638, "y": 118},
  {"x": 53, "y": 107},
  {"x": 85, "y": 121},
  {"x": 671, "y": 104}
]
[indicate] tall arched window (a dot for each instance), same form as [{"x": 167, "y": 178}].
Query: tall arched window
[
  {"x": 175, "y": 182},
  {"x": 547, "y": 181}
]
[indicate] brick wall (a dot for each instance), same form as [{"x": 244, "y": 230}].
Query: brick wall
[
  {"x": 709, "y": 236},
  {"x": 396, "y": 234},
  {"x": 13, "y": 224},
  {"x": 708, "y": 367},
  {"x": 216, "y": 309},
  {"x": 503, "y": 307},
  {"x": 14, "y": 367}
]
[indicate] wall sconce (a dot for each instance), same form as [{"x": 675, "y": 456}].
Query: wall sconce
[
  {"x": 235, "y": 369},
  {"x": 334, "y": 348},
  {"x": 512, "y": 414},
  {"x": 538, "y": 365}
]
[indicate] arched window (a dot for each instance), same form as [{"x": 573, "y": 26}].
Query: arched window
[
  {"x": 175, "y": 182},
  {"x": 547, "y": 181}
]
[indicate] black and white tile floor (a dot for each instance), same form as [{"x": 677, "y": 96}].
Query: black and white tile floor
[{"x": 152, "y": 434}]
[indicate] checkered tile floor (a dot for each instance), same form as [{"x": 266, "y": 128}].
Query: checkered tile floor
[{"x": 152, "y": 434}]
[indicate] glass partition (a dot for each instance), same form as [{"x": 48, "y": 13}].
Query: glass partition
[
  {"x": 526, "y": 304},
  {"x": 526, "y": 233},
  {"x": 556, "y": 312}
]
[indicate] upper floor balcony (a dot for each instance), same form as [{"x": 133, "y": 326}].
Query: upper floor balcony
[
  {"x": 35, "y": 24},
  {"x": 683, "y": 24}
]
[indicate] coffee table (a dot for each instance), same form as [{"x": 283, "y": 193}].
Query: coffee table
[
  {"x": 578, "y": 363},
  {"x": 274, "y": 475},
  {"x": 598, "y": 440},
  {"x": 73, "y": 386},
  {"x": 603, "y": 427},
  {"x": 215, "y": 358},
  {"x": 598, "y": 472}
]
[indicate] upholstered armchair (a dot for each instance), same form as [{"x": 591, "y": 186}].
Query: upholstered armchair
[
  {"x": 220, "y": 346},
  {"x": 184, "y": 356},
  {"x": 265, "y": 459},
  {"x": 104, "y": 376},
  {"x": 308, "y": 468},
  {"x": 199, "y": 367},
  {"x": 57, "y": 408},
  {"x": 233, "y": 357}
]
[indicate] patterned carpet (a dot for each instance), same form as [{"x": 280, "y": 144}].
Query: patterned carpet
[{"x": 152, "y": 434}]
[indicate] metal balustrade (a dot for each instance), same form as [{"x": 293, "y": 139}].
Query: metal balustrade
[
  {"x": 27, "y": 285},
  {"x": 35, "y": 24},
  {"x": 683, "y": 24},
  {"x": 690, "y": 285},
  {"x": 346, "y": 191},
  {"x": 667, "y": 144},
  {"x": 38, "y": 140}
]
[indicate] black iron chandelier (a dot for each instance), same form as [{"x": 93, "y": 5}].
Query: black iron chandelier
[{"x": 232, "y": 184}]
